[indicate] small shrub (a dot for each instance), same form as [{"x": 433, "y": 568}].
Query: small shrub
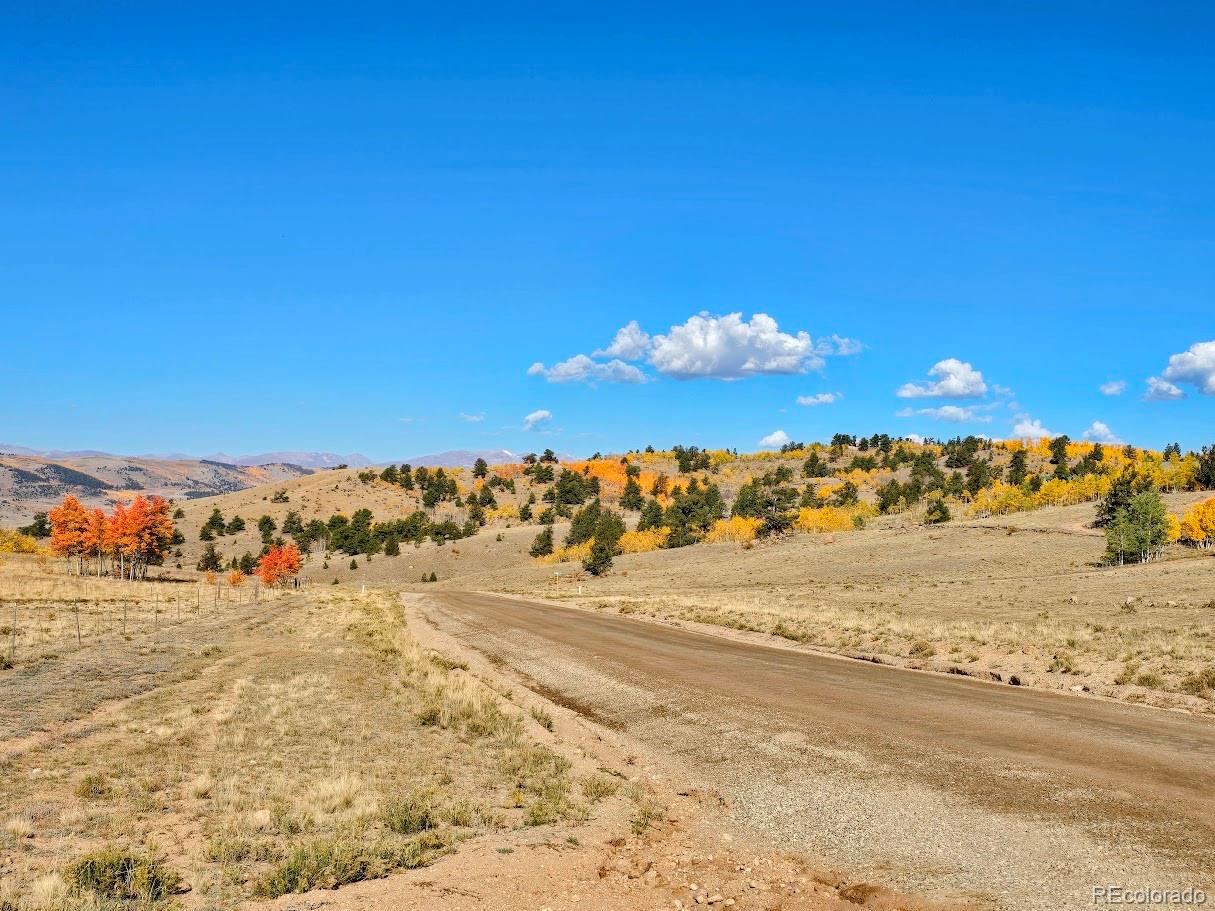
[
  {"x": 921, "y": 649},
  {"x": 329, "y": 863},
  {"x": 462, "y": 813},
  {"x": 597, "y": 787},
  {"x": 407, "y": 814},
  {"x": 93, "y": 787},
  {"x": 1062, "y": 663},
  {"x": 1199, "y": 682},
  {"x": 121, "y": 875},
  {"x": 231, "y": 849},
  {"x": 542, "y": 813},
  {"x": 1150, "y": 679},
  {"x": 543, "y": 718},
  {"x": 648, "y": 813},
  {"x": 440, "y": 660}
]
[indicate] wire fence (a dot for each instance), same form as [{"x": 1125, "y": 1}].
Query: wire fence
[{"x": 43, "y": 611}]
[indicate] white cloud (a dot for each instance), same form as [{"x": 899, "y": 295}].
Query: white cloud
[
  {"x": 727, "y": 348},
  {"x": 954, "y": 379},
  {"x": 774, "y": 440},
  {"x": 954, "y": 413},
  {"x": 631, "y": 343},
  {"x": 1159, "y": 390},
  {"x": 537, "y": 418},
  {"x": 819, "y": 398},
  {"x": 1031, "y": 428},
  {"x": 1113, "y": 387},
  {"x": 581, "y": 369},
  {"x": 1195, "y": 367},
  {"x": 1099, "y": 432},
  {"x": 915, "y": 438},
  {"x": 838, "y": 346},
  {"x": 472, "y": 418},
  {"x": 703, "y": 347}
]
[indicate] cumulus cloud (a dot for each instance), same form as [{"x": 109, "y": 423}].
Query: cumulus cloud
[
  {"x": 1113, "y": 387},
  {"x": 631, "y": 343},
  {"x": 582, "y": 369},
  {"x": 954, "y": 413},
  {"x": 537, "y": 419},
  {"x": 703, "y": 347},
  {"x": 472, "y": 418},
  {"x": 1030, "y": 428},
  {"x": 774, "y": 440},
  {"x": 1194, "y": 367},
  {"x": 954, "y": 379},
  {"x": 819, "y": 398},
  {"x": 729, "y": 348},
  {"x": 1099, "y": 432},
  {"x": 1159, "y": 390}
]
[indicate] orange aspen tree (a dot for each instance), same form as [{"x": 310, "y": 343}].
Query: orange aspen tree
[
  {"x": 146, "y": 535},
  {"x": 69, "y": 522},
  {"x": 279, "y": 564},
  {"x": 96, "y": 534},
  {"x": 116, "y": 537}
]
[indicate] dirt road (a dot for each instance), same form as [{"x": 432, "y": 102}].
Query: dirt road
[{"x": 951, "y": 787}]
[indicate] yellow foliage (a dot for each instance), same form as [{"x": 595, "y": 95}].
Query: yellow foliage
[
  {"x": 573, "y": 554},
  {"x": 828, "y": 489},
  {"x": 503, "y": 511},
  {"x": 737, "y": 529},
  {"x": 1001, "y": 498},
  {"x": 1173, "y": 532},
  {"x": 829, "y": 518},
  {"x": 641, "y": 542},
  {"x": 13, "y": 542},
  {"x": 1197, "y": 526}
]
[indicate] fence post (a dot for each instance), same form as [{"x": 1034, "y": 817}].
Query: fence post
[{"x": 77, "y": 606}]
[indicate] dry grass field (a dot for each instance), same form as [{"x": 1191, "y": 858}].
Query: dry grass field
[{"x": 252, "y": 749}]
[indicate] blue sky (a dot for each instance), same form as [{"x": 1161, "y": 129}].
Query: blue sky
[{"x": 356, "y": 228}]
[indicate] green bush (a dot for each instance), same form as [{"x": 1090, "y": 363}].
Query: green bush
[
  {"x": 115, "y": 873},
  {"x": 407, "y": 814},
  {"x": 328, "y": 863}
]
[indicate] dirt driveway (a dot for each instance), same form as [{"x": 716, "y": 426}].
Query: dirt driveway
[{"x": 950, "y": 787}]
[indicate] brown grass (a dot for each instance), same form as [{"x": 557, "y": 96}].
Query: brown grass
[{"x": 302, "y": 742}]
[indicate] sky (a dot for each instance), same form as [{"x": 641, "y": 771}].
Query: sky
[{"x": 397, "y": 229}]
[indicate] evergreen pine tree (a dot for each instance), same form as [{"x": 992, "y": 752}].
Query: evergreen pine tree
[
  {"x": 1017, "y": 468},
  {"x": 938, "y": 512},
  {"x": 210, "y": 561},
  {"x": 631, "y": 498},
  {"x": 542, "y": 546}
]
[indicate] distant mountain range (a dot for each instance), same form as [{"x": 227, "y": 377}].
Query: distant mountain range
[
  {"x": 452, "y": 458},
  {"x": 33, "y": 480},
  {"x": 34, "y": 483},
  {"x": 302, "y": 459},
  {"x": 461, "y": 458}
]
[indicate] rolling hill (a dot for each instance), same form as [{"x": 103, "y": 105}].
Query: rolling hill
[{"x": 35, "y": 483}]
